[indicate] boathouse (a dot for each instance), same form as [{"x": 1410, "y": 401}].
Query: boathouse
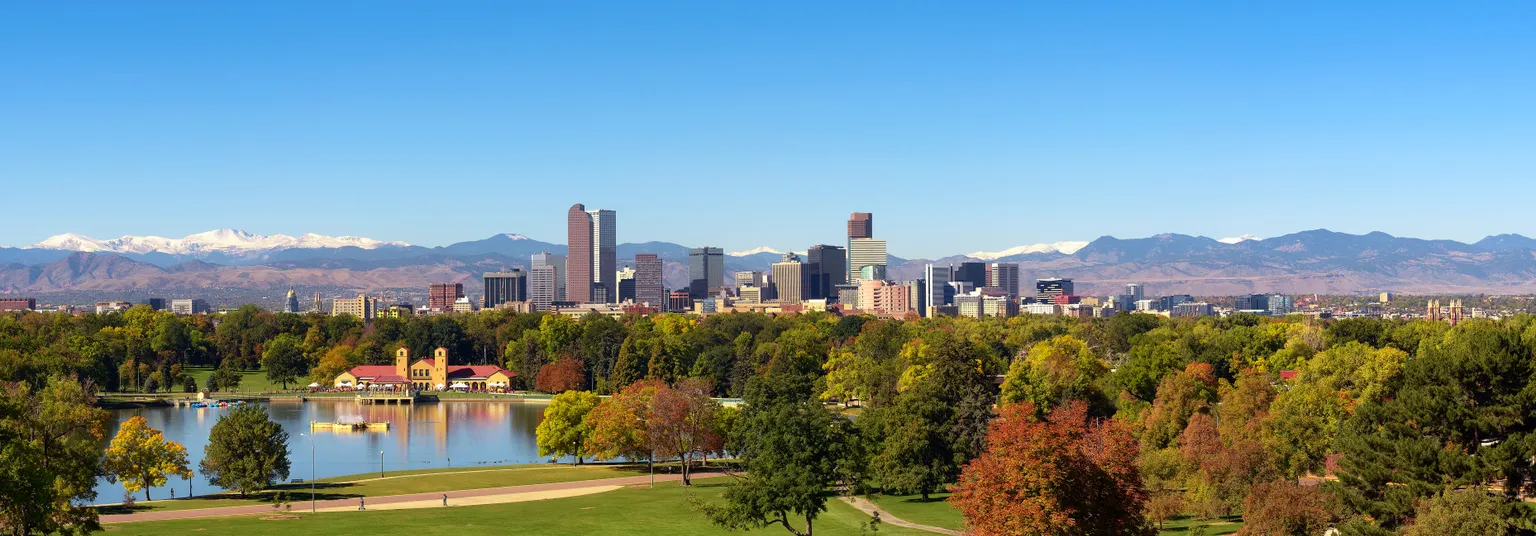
[{"x": 429, "y": 374}]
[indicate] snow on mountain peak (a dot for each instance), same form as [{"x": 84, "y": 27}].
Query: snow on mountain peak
[
  {"x": 218, "y": 240},
  {"x": 1065, "y": 247},
  {"x": 1236, "y": 239},
  {"x": 514, "y": 236},
  {"x": 754, "y": 251}
]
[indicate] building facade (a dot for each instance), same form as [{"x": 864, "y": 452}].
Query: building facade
[
  {"x": 558, "y": 263},
  {"x": 936, "y": 279},
  {"x": 864, "y": 252},
  {"x": 542, "y": 286},
  {"x": 505, "y": 286},
  {"x": 706, "y": 271},
  {"x": 1047, "y": 290},
  {"x": 18, "y": 304},
  {"x": 1004, "y": 275},
  {"x": 626, "y": 285},
  {"x": 974, "y": 273},
  {"x": 430, "y": 374},
  {"x": 189, "y": 306},
  {"x": 362, "y": 307},
  {"x": 789, "y": 279},
  {"x": 649, "y": 284},
  {"x": 828, "y": 266},
  {"x": 884, "y": 297},
  {"x": 579, "y": 264},
  {"x": 440, "y": 296}
]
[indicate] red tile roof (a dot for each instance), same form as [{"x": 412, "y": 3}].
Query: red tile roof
[
  {"x": 1288, "y": 374},
  {"x": 372, "y": 371},
  {"x": 391, "y": 379},
  {"x": 476, "y": 371}
]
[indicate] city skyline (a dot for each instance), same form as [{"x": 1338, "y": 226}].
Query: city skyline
[{"x": 1123, "y": 110}]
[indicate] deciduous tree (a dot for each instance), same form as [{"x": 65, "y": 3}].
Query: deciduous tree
[
  {"x": 141, "y": 457},
  {"x": 284, "y": 359},
  {"x": 563, "y": 375},
  {"x": 246, "y": 451},
  {"x": 565, "y": 430}
]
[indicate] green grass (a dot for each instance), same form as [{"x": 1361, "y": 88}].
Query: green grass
[
  {"x": 634, "y": 510},
  {"x": 935, "y": 512},
  {"x": 251, "y": 381},
  {"x": 1182, "y": 525},
  {"x": 400, "y": 483}
]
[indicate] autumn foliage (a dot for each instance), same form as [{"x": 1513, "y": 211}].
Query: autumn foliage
[
  {"x": 563, "y": 375},
  {"x": 1063, "y": 475}
]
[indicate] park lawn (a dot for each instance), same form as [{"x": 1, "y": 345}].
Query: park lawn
[
  {"x": 1182, "y": 525},
  {"x": 401, "y": 483},
  {"x": 251, "y": 381},
  {"x": 935, "y": 512},
  {"x": 634, "y": 510}
]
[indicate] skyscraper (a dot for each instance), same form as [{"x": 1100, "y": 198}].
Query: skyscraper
[
  {"x": 649, "y": 287},
  {"x": 706, "y": 271},
  {"x": 861, "y": 225},
  {"x": 579, "y": 257},
  {"x": 829, "y": 268},
  {"x": 626, "y": 285},
  {"x": 1004, "y": 275},
  {"x": 789, "y": 279},
  {"x": 936, "y": 278},
  {"x": 1046, "y": 290},
  {"x": 974, "y": 273},
  {"x": 864, "y": 252},
  {"x": 605, "y": 262},
  {"x": 542, "y": 286},
  {"x": 440, "y": 296},
  {"x": 558, "y": 263},
  {"x": 505, "y": 286}
]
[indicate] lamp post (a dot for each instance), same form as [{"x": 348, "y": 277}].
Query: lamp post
[
  {"x": 381, "y": 464},
  {"x": 311, "y": 436}
]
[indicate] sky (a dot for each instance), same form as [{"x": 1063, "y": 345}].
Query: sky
[{"x": 962, "y": 126}]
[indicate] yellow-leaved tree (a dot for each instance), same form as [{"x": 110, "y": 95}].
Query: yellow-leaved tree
[{"x": 142, "y": 458}]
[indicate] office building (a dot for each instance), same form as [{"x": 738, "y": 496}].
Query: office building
[
  {"x": 861, "y": 225},
  {"x": 789, "y": 279},
  {"x": 362, "y": 307},
  {"x": 542, "y": 286},
  {"x": 605, "y": 262},
  {"x": 974, "y": 273},
  {"x": 505, "y": 286},
  {"x": 706, "y": 271},
  {"x": 1191, "y": 309},
  {"x": 579, "y": 261},
  {"x": 864, "y": 252},
  {"x": 1004, "y": 275},
  {"x": 883, "y": 297},
  {"x": 752, "y": 279},
  {"x": 678, "y": 301},
  {"x": 1252, "y": 302},
  {"x": 1146, "y": 305},
  {"x": 936, "y": 278},
  {"x": 189, "y": 306},
  {"x": 1047, "y": 290},
  {"x": 1136, "y": 292},
  {"x": 828, "y": 266},
  {"x": 18, "y": 304},
  {"x": 1041, "y": 308},
  {"x": 462, "y": 305},
  {"x": 649, "y": 285},
  {"x": 558, "y": 262},
  {"x": 848, "y": 295},
  {"x": 917, "y": 295},
  {"x": 957, "y": 288},
  {"x": 749, "y": 294},
  {"x": 1167, "y": 303},
  {"x": 1281, "y": 305},
  {"x": 626, "y": 282},
  {"x": 440, "y": 296},
  {"x": 872, "y": 271},
  {"x": 157, "y": 304}
]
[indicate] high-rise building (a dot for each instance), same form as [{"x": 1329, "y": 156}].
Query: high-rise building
[
  {"x": 936, "y": 278},
  {"x": 1004, "y": 275},
  {"x": 1281, "y": 305},
  {"x": 754, "y": 279},
  {"x": 1046, "y": 290},
  {"x": 871, "y": 272},
  {"x": 626, "y": 282},
  {"x": 18, "y": 304},
  {"x": 579, "y": 265},
  {"x": 558, "y": 262},
  {"x": 505, "y": 286},
  {"x": 706, "y": 271},
  {"x": 362, "y": 307},
  {"x": 542, "y": 286},
  {"x": 291, "y": 305},
  {"x": 789, "y": 279},
  {"x": 1136, "y": 292},
  {"x": 848, "y": 295},
  {"x": 649, "y": 286},
  {"x": 605, "y": 262},
  {"x": 974, "y": 273},
  {"x": 157, "y": 304},
  {"x": 749, "y": 294},
  {"x": 678, "y": 301},
  {"x": 1251, "y": 302},
  {"x": 881, "y": 296},
  {"x": 864, "y": 252},
  {"x": 861, "y": 225},
  {"x": 189, "y": 306},
  {"x": 828, "y": 266},
  {"x": 440, "y": 296}
]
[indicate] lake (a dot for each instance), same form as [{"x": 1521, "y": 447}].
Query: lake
[{"x": 423, "y": 436}]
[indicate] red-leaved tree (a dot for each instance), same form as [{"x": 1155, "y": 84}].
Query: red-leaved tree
[
  {"x": 683, "y": 422},
  {"x": 567, "y": 374},
  {"x": 1065, "y": 475}
]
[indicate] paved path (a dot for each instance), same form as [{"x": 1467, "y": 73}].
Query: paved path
[
  {"x": 885, "y": 517},
  {"x": 301, "y": 506}
]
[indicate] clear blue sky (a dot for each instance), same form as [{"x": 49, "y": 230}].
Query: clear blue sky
[{"x": 962, "y": 126}]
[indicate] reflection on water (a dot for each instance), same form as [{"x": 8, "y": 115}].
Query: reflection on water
[{"x": 423, "y": 436}]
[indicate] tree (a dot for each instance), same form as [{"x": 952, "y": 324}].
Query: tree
[
  {"x": 682, "y": 422},
  {"x": 565, "y": 430},
  {"x": 224, "y": 378},
  {"x": 620, "y": 424},
  {"x": 141, "y": 457},
  {"x": 631, "y": 364},
  {"x": 246, "y": 451},
  {"x": 1064, "y": 474},
  {"x": 1323, "y": 395},
  {"x": 50, "y": 457},
  {"x": 1054, "y": 372},
  {"x": 794, "y": 450},
  {"x": 1179, "y": 396},
  {"x": 284, "y": 359},
  {"x": 1471, "y": 512},
  {"x": 1285, "y": 508},
  {"x": 561, "y": 376}
]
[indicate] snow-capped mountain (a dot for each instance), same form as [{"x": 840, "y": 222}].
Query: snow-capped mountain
[
  {"x": 1065, "y": 247},
  {"x": 754, "y": 251},
  {"x": 219, "y": 240},
  {"x": 1236, "y": 239}
]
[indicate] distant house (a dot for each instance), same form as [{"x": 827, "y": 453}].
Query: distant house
[{"x": 427, "y": 374}]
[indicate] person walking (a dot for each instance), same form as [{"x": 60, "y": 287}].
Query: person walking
[
  {"x": 445, "y": 499},
  {"x": 361, "y": 505}
]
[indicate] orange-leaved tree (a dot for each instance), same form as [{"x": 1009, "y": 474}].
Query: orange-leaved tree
[
  {"x": 1063, "y": 475},
  {"x": 141, "y": 457}
]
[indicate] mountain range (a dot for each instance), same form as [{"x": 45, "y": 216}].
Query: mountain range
[{"x": 1316, "y": 261}]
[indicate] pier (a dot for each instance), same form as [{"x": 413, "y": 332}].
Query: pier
[{"x": 386, "y": 397}]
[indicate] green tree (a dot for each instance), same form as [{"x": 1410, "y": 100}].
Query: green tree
[
  {"x": 565, "y": 430},
  {"x": 1471, "y": 512},
  {"x": 142, "y": 458},
  {"x": 284, "y": 359},
  {"x": 50, "y": 452},
  {"x": 1307, "y": 416},
  {"x": 224, "y": 378},
  {"x": 1054, "y": 372},
  {"x": 246, "y": 451}
]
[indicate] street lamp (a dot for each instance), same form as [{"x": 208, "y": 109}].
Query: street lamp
[
  {"x": 311, "y": 436},
  {"x": 381, "y": 464}
]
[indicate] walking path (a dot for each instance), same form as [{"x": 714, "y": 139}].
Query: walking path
[
  {"x": 472, "y": 496},
  {"x": 885, "y": 517}
]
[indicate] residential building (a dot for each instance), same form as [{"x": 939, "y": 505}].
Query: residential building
[
  {"x": 558, "y": 262},
  {"x": 999, "y": 306},
  {"x": 974, "y": 273},
  {"x": 1046, "y": 290},
  {"x": 626, "y": 282},
  {"x": 504, "y": 286},
  {"x": 362, "y": 307},
  {"x": 789, "y": 279},
  {"x": 884, "y": 297},
  {"x": 864, "y": 252},
  {"x": 112, "y": 307},
  {"x": 543, "y": 286},
  {"x": 189, "y": 306},
  {"x": 159, "y": 304},
  {"x": 440, "y": 296},
  {"x": 1004, "y": 275},
  {"x": 1191, "y": 309},
  {"x": 828, "y": 267},
  {"x": 649, "y": 285},
  {"x": 706, "y": 271},
  {"x": 427, "y": 374},
  {"x": 937, "y": 280},
  {"x": 18, "y": 304}
]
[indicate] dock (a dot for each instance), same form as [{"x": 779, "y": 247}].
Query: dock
[
  {"x": 348, "y": 426},
  {"x": 386, "y": 397}
]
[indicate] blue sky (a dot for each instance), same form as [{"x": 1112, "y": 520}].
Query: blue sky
[{"x": 962, "y": 126}]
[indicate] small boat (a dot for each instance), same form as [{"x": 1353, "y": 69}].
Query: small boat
[{"x": 349, "y": 426}]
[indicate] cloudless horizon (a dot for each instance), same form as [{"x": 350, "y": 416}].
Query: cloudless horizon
[{"x": 962, "y": 127}]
